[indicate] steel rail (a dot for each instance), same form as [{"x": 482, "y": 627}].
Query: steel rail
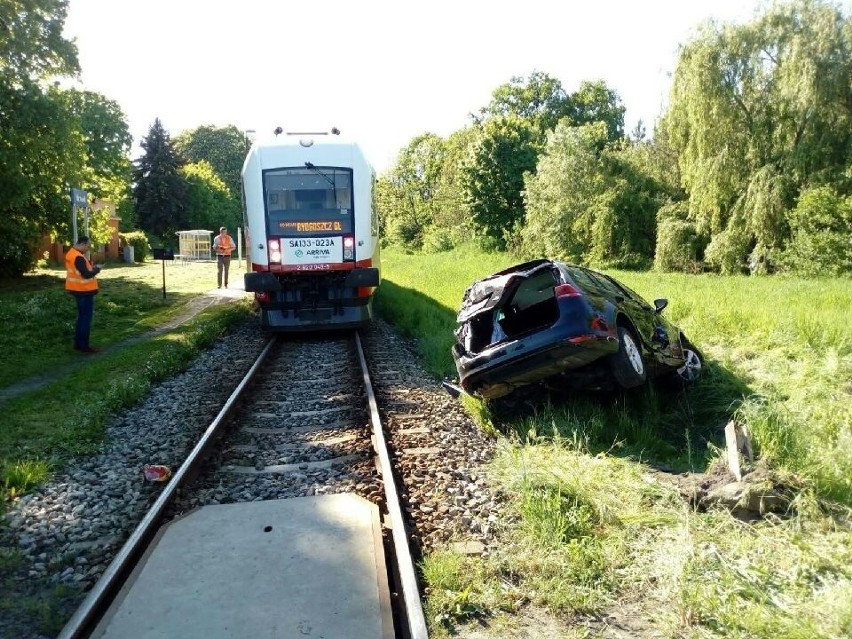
[
  {"x": 99, "y": 597},
  {"x": 407, "y": 576}
]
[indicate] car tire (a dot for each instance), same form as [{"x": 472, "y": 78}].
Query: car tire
[
  {"x": 693, "y": 363},
  {"x": 628, "y": 366}
]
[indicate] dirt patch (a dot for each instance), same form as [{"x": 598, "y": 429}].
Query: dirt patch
[{"x": 760, "y": 492}]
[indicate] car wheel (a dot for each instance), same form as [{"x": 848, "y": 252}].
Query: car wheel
[
  {"x": 692, "y": 364},
  {"x": 627, "y": 364}
]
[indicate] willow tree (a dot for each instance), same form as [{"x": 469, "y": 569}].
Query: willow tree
[{"x": 758, "y": 112}]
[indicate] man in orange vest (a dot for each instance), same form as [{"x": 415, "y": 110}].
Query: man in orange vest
[
  {"x": 81, "y": 283},
  {"x": 223, "y": 245}
]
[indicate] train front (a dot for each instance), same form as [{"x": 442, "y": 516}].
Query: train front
[{"x": 311, "y": 233}]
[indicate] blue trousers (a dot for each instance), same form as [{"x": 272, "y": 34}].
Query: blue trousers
[{"x": 85, "y": 311}]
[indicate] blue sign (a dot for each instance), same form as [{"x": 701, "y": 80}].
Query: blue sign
[{"x": 79, "y": 198}]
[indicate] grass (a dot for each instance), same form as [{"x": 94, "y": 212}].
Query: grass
[
  {"x": 594, "y": 527},
  {"x": 42, "y": 428},
  {"x": 40, "y": 314}
]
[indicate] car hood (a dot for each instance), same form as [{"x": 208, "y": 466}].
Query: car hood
[{"x": 488, "y": 293}]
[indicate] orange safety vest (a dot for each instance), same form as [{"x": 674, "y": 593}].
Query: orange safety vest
[
  {"x": 226, "y": 245},
  {"x": 74, "y": 280}
]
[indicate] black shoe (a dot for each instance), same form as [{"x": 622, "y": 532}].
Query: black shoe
[{"x": 89, "y": 350}]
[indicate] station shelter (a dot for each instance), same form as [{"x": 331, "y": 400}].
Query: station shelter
[{"x": 195, "y": 245}]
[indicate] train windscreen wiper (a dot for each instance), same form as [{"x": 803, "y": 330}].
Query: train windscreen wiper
[{"x": 310, "y": 166}]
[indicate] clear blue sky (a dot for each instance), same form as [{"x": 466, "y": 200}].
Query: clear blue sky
[{"x": 382, "y": 71}]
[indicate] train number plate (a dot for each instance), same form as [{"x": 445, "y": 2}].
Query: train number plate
[{"x": 312, "y": 250}]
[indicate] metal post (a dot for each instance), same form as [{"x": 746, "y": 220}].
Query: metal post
[
  {"x": 240, "y": 245},
  {"x": 164, "y": 279}
]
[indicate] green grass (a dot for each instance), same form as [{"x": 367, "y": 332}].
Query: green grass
[
  {"x": 40, "y": 315},
  {"x": 44, "y": 427},
  {"x": 779, "y": 354},
  {"x": 592, "y": 528}
]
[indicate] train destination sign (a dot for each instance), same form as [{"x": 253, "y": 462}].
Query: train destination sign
[{"x": 312, "y": 227}]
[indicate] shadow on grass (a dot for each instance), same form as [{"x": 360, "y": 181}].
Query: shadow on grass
[
  {"x": 41, "y": 317},
  {"x": 420, "y": 317},
  {"x": 663, "y": 422}
]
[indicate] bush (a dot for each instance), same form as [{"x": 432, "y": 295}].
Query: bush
[
  {"x": 437, "y": 240},
  {"x": 678, "y": 242},
  {"x": 139, "y": 241},
  {"x": 18, "y": 249},
  {"x": 821, "y": 225}
]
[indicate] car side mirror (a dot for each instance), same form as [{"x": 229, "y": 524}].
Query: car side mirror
[{"x": 660, "y": 304}]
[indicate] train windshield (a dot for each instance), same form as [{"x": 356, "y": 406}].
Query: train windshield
[{"x": 315, "y": 200}]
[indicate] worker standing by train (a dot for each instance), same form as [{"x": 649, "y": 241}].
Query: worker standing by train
[{"x": 223, "y": 245}]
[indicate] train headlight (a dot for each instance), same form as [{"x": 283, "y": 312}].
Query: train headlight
[
  {"x": 348, "y": 247},
  {"x": 275, "y": 251}
]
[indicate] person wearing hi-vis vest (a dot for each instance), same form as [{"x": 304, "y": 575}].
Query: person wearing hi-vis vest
[
  {"x": 81, "y": 283},
  {"x": 223, "y": 245}
]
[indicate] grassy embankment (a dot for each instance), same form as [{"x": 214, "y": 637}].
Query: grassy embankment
[
  {"x": 597, "y": 531},
  {"x": 41, "y": 428}
]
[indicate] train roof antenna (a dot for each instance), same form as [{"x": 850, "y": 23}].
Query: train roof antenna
[
  {"x": 335, "y": 130},
  {"x": 278, "y": 130}
]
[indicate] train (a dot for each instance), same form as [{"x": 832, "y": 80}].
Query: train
[{"x": 311, "y": 231}]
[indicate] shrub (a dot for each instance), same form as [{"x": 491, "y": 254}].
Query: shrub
[
  {"x": 17, "y": 251},
  {"x": 678, "y": 242},
  {"x": 821, "y": 225},
  {"x": 139, "y": 241}
]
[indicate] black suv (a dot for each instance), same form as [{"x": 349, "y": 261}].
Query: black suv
[{"x": 556, "y": 322}]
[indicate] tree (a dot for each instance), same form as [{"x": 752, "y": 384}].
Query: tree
[
  {"x": 595, "y": 102},
  {"x": 224, "y": 148},
  {"x": 757, "y": 113},
  {"x": 160, "y": 192},
  {"x": 42, "y": 146},
  {"x": 540, "y": 99},
  {"x": 413, "y": 182},
  {"x": 493, "y": 177},
  {"x": 108, "y": 169},
  {"x": 590, "y": 202},
  {"x": 821, "y": 226},
  {"x": 40, "y": 140},
  {"x": 31, "y": 42},
  {"x": 208, "y": 200}
]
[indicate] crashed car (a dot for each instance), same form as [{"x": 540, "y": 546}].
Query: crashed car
[{"x": 547, "y": 321}]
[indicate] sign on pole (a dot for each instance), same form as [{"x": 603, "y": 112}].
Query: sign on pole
[{"x": 79, "y": 200}]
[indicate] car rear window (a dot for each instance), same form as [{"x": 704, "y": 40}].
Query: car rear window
[{"x": 581, "y": 277}]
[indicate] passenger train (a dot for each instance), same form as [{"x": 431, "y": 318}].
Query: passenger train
[{"x": 312, "y": 231}]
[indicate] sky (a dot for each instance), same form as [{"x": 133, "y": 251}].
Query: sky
[{"x": 381, "y": 71}]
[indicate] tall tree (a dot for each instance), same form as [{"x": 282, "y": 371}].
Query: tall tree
[
  {"x": 539, "y": 99},
  {"x": 31, "y": 41},
  {"x": 224, "y": 148},
  {"x": 493, "y": 177},
  {"x": 413, "y": 182},
  {"x": 42, "y": 150},
  {"x": 40, "y": 140},
  {"x": 595, "y": 102},
  {"x": 592, "y": 202},
  {"x": 758, "y": 112},
  {"x": 209, "y": 201},
  {"x": 160, "y": 191}
]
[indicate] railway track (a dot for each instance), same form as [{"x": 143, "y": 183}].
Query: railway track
[
  {"x": 303, "y": 422},
  {"x": 68, "y": 531}
]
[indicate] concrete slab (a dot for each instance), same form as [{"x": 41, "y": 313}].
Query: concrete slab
[{"x": 311, "y": 566}]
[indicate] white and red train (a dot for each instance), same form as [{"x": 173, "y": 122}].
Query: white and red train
[{"x": 312, "y": 231}]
